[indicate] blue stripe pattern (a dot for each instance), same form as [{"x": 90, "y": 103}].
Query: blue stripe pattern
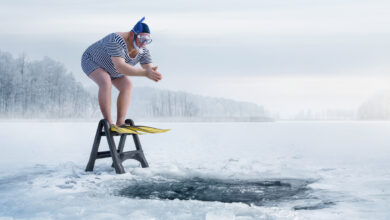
[{"x": 99, "y": 54}]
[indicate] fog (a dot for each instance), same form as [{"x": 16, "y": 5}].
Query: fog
[{"x": 287, "y": 56}]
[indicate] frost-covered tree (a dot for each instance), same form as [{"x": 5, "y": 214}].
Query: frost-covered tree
[
  {"x": 41, "y": 88},
  {"x": 150, "y": 102},
  {"x": 45, "y": 89},
  {"x": 376, "y": 107}
]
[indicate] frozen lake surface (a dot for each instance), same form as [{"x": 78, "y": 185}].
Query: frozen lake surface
[{"x": 273, "y": 170}]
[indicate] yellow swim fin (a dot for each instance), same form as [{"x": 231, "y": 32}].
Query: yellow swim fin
[
  {"x": 122, "y": 130},
  {"x": 147, "y": 129}
]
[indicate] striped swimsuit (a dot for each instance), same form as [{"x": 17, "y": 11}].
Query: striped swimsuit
[{"x": 99, "y": 54}]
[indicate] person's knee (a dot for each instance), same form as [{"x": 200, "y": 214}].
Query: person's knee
[
  {"x": 102, "y": 78},
  {"x": 126, "y": 85},
  {"x": 129, "y": 84},
  {"x": 105, "y": 84}
]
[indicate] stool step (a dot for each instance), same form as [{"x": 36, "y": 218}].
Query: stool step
[
  {"x": 105, "y": 154},
  {"x": 114, "y": 133}
]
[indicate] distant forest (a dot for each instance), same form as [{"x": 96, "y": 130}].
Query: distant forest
[
  {"x": 40, "y": 89},
  {"x": 376, "y": 107},
  {"x": 45, "y": 89}
]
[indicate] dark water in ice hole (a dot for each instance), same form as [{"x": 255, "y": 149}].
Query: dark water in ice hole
[{"x": 259, "y": 193}]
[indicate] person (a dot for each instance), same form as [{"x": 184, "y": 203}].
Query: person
[{"x": 111, "y": 60}]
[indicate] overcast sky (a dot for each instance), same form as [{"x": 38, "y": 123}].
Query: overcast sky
[{"x": 285, "y": 55}]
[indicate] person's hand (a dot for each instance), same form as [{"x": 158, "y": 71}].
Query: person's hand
[{"x": 153, "y": 74}]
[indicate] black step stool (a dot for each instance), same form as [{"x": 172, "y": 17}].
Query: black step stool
[{"x": 118, "y": 156}]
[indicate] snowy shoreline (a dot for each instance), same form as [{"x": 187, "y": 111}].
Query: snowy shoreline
[{"x": 184, "y": 120}]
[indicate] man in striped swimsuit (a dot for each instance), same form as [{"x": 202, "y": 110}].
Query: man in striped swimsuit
[{"x": 111, "y": 60}]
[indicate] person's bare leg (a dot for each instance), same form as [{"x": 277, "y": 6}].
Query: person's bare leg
[
  {"x": 124, "y": 85},
  {"x": 102, "y": 78}
]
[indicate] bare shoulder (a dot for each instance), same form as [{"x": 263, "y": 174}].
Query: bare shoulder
[{"x": 122, "y": 34}]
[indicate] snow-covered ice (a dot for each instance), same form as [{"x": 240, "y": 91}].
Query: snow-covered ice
[{"x": 341, "y": 170}]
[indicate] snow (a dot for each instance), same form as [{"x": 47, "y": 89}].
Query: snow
[{"x": 346, "y": 165}]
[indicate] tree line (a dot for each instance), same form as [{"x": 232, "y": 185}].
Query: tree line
[
  {"x": 151, "y": 102},
  {"x": 45, "y": 89},
  {"x": 376, "y": 107},
  {"x": 40, "y": 89}
]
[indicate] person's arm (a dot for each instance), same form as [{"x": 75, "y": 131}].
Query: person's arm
[
  {"x": 147, "y": 66},
  {"x": 154, "y": 74},
  {"x": 122, "y": 67}
]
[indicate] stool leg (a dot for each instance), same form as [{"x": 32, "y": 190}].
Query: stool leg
[
  {"x": 114, "y": 154},
  {"x": 140, "y": 155},
  {"x": 95, "y": 147},
  {"x": 121, "y": 145},
  {"x": 142, "y": 160}
]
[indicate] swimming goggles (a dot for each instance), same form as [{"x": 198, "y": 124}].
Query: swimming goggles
[{"x": 144, "y": 39}]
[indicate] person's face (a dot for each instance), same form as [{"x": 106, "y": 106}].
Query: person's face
[{"x": 140, "y": 41}]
